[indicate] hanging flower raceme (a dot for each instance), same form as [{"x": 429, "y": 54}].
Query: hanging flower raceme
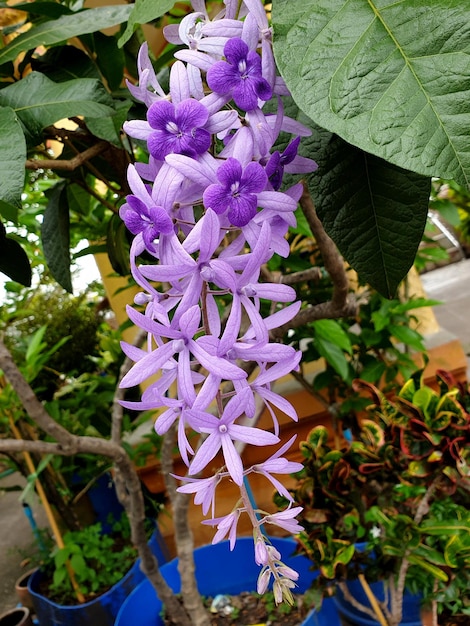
[{"x": 209, "y": 211}]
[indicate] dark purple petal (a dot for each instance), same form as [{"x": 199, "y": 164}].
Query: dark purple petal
[
  {"x": 230, "y": 172},
  {"x": 245, "y": 94},
  {"x": 198, "y": 142},
  {"x": 191, "y": 114},
  {"x": 290, "y": 152},
  {"x": 161, "y": 220},
  {"x": 215, "y": 197},
  {"x": 273, "y": 163},
  {"x": 242, "y": 209},
  {"x": 160, "y": 113},
  {"x": 222, "y": 77},
  {"x": 254, "y": 178},
  {"x": 253, "y": 63},
  {"x": 160, "y": 144},
  {"x": 236, "y": 50},
  {"x": 263, "y": 89}
]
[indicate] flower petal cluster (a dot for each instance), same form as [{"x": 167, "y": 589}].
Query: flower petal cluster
[{"x": 207, "y": 211}]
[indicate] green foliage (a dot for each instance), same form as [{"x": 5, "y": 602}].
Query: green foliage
[
  {"x": 391, "y": 79},
  {"x": 410, "y": 452},
  {"x": 98, "y": 560}
]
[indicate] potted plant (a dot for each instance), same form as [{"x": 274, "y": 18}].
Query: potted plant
[
  {"x": 105, "y": 570},
  {"x": 380, "y": 508}
]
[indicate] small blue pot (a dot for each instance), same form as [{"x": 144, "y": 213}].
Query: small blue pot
[
  {"x": 219, "y": 571},
  {"x": 100, "y": 611}
]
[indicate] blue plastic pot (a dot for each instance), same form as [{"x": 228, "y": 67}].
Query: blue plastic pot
[
  {"x": 411, "y": 605},
  {"x": 100, "y": 611},
  {"x": 219, "y": 571}
]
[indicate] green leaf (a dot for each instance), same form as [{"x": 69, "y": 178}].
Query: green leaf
[
  {"x": 39, "y": 102},
  {"x": 374, "y": 211},
  {"x": 110, "y": 59},
  {"x": 333, "y": 355},
  {"x": 36, "y": 344},
  {"x": 14, "y": 261},
  {"x": 55, "y": 236},
  {"x": 8, "y": 211},
  {"x": 12, "y": 157},
  {"x": 392, "y": 78},
  {"x": 79, "y": 565},
  {"x": 65, "y": 27},
  {"x": 117, "y": 246},
  {"x": 144, "y": 11},
  {"x": 331, "y": 330},
  {"x": 436, "y": 572},
  {"x": 408, "y": 336}
]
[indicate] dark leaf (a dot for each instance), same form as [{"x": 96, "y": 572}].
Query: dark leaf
[{"x": 55, "y": 236}]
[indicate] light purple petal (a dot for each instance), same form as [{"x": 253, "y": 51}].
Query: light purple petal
[
  {"x": 277, "y": 201},
  {"x": 216, "y": 365},
  {"x": 138, "y": 129},
  {"x": 203, "y": 61},
  {"x": 196, "y": 171},
  {"x": 179, "y": 83},
  {"x": 232, "y": 460},
  {"x": 148, "y": 366},
  {"x": 205, "y": 454}
]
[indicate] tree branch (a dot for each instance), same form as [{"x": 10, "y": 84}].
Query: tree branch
[
  {"x": 67, "y": 164},
  {"x": 68, "y": 445},
  {"x": 342, "y": 304}
]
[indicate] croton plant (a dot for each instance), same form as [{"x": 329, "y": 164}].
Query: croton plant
[{"x": 369, "y": 508}]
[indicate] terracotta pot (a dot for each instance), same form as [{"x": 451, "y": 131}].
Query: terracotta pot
[
  {"x": 21, "y": 589},
  {"x": 16, "y": 617}
]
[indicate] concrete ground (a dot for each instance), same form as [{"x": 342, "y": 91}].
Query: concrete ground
[
  {"x": 450, "y": 284},
  {"x": 16, "y": 537}
]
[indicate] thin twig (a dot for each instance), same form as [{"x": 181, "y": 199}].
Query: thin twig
[{"x": 67, "y": 164}]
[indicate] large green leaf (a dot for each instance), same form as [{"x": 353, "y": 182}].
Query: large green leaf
[
  {"x": 374, "y": 211},
  {"x": 12, "y": 158},
  {"x": 39, "y": 102},
  {"x": 65, "y": 27},
  {"x": 14, "y": 260},
  {"x": 144, "y": 11},
  {"x": 55, "y": 235},
  {"x": 392, "y": 78}
]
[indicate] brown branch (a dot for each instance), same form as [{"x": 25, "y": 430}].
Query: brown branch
[
  {"x": 183, "y": 535},
  {"x": 68, "y": 444},
  {"x": 313, "y": 273},
  {"x": 342, "y": 304},
  {"x": 67, "y": 164}
]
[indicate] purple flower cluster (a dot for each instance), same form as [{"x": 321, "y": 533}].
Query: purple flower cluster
[{"x": 208, "y": 210}]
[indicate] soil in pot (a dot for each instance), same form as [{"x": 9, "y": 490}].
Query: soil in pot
[{"x": 250, "y": 608}]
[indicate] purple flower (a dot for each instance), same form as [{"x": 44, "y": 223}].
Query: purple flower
[
  {"x": 285, "y": 519},
  {"x": 237, "y": 191},
  {"x": 141, "y": 215},
  {"x": 239, "y": 76},
  {"x": 178, "y": 128},
  {"x": 221, "y": 434}
]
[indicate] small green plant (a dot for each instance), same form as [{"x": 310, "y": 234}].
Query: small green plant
[{"x": 98, "y": 561}]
